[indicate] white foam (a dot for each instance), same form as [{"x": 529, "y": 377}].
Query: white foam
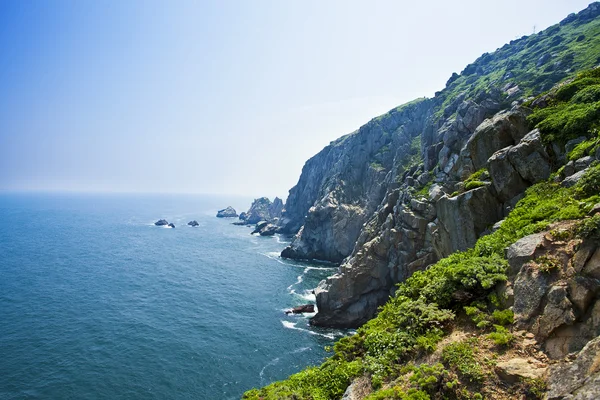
[
  {"x": 291, "y": 325},
  {"x": 270, "y": 363}
]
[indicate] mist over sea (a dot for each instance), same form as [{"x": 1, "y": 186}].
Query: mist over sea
[{"x": 98, "y": 303}]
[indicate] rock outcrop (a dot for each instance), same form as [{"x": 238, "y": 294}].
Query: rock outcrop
[
  {"x": 578, "y": 379},
  {"x": 342, "y": 186},
  {"x": 424, "y": 180},
  {"x": 556, "y": 289},
  {"x": 228, "y": 212},
  {"x": 193, "y": 223},
  {"x": 161, "y": 222}
]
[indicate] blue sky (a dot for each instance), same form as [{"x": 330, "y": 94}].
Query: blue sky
[{"x": 221, "y": 96}]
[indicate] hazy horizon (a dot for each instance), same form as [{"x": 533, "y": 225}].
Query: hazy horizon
[{"x": 220, "y": 98}]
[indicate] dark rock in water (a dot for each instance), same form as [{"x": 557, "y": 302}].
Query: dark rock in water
[
  {"x": 305, "y": 308},
  {"x": 193, "y": 223},
  {"x": 243, "y": 216},
  {"x": 268, "y": 230},
  {"x": 228, "y": 212},
  {"x": 161, "y": 222},
  {"x": 259, "y": 226},
  {"x": 240, "y": 223},
  {"x": 171, "y": 225}
]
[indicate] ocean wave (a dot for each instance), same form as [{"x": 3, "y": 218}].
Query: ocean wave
[{"x": 292, "y": 325}]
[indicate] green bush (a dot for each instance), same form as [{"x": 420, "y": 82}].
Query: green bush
[
  {"x": 503, "y": 317},
  {"x": 461, "y": 357},
  {"x": 502, "y": 336},
  {"x": 588, "y": 94}
]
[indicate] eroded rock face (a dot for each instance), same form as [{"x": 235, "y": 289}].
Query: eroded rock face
[
  {"x": 462, "y": 219},
  {"x": 259, "y": 211},
  {"x": 395, "y": 243},
  {"x": 578, "y": 379},
  {"x": 502, "y": 130},
  {"x": 343, "y": 185},
  {"x": 555, "y": 290}
]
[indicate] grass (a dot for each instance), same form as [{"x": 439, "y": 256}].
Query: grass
[{"x": 574, "y": 112}]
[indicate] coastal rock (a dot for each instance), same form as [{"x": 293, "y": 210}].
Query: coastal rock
[
  {"x": 161, "y": 222},
  {"x": 171, "y": 225},
  {"x": 193, "y": 223},
  {"x": 228, "y": 212},
  {"x": 259, "y": 226},
  {"x": 343, "y": 185},
  {"x": 243, "y": 216},
  {"x": 268, "y": 230},
  {"x": 276, "y": 208},
  {"x": 260, "y": 210},
  {"x": 305, "y": 308}
]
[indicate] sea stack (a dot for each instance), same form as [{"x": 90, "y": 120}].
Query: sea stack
[{"x": 228, "y": 212}]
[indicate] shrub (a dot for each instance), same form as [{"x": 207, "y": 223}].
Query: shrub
[
  {"x": 503, "y": 317},
  {"x": 460, "y": 356},
  {"x": 502, "y": 336}
]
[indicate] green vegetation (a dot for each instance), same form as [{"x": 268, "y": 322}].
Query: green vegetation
[
  {"x": 534, "y": 62},
  {"x": 426, "y": 305},
  {"x": 574, "y": 111},
  {"x": 461, "y": 357},
  {"x": 461, "y": 287},
  {"x": 587, "y": 147},
  {"x": 502, "y": 336}
]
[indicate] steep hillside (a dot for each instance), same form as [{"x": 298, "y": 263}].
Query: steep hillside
[
  {"x": 515, "y": 316},
  {"x": 483, "y": 204},
  {"x": 382, "y": 209}
]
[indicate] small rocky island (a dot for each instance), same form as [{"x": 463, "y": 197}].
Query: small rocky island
[
  {"x": 164, "y": 222},
  {"x": 264, "y": 215},
  {"x": 228, "y": 212},
  {"x": 193, "y": 223}
]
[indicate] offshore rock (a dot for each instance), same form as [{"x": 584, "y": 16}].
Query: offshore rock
[
  {"x": 228, "y": 212},
  {"x": 305, "y": 308},
  {"x": 263, "y": 210},
  {"x": 161, "y": 222}
]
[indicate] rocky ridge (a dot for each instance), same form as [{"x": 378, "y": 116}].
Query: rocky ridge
[{"x": 424, "y": 180}]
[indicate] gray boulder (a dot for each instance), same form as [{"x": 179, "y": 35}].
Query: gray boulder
[
  {"x": 193, "y": 223},
  {"x": 502, "y": 130},
  {"x": 578, "y": 379},
  {"x": 161, "y": 222}
]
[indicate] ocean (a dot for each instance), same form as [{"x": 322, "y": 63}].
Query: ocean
[{"x": 98, "y": 303}]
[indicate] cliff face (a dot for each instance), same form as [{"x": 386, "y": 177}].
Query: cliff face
[
  {"x": 342, "y": 185},
  {"x": 429, "y": 178}
]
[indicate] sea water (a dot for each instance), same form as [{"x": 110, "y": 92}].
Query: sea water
[{"x": 98, "y": 303}]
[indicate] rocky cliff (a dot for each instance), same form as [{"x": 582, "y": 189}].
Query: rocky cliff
[
  {"x": 484, "y": 248},
  {"x": 429, "y": 178}
]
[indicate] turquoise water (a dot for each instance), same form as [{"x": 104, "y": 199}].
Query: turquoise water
[{"x": 97, "y": 303}]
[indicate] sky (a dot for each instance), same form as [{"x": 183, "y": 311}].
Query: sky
[{"x": 221, "y": 97}]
